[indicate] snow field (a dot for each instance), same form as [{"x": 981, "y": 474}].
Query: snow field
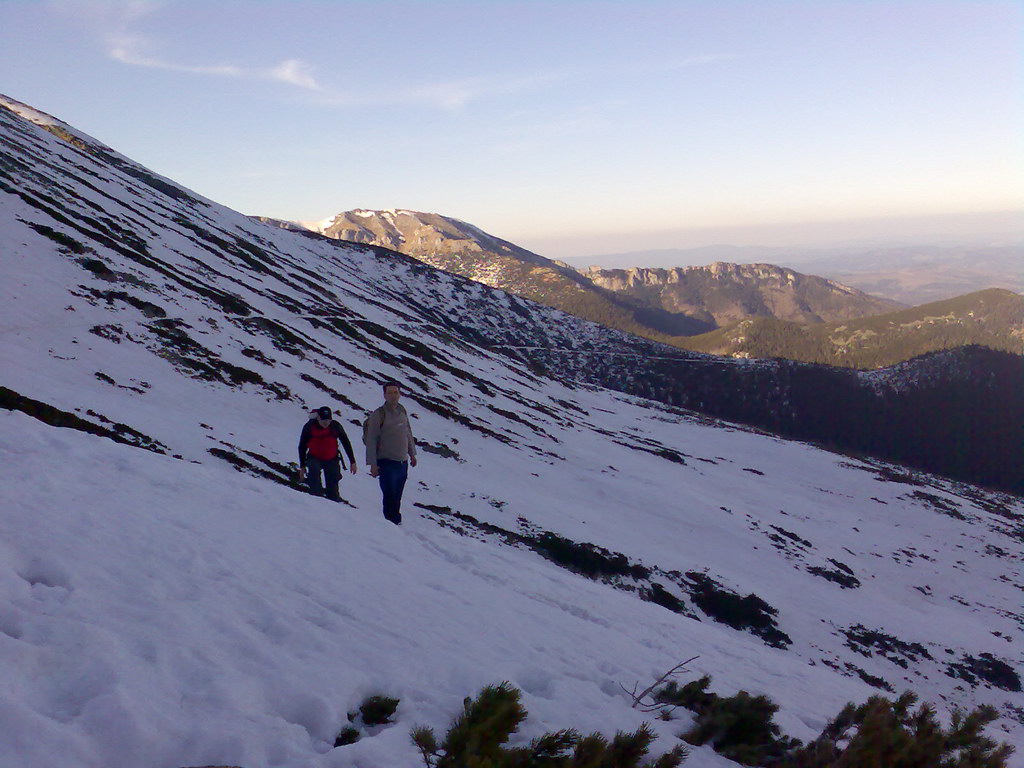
[{"x": 162, "y": 613}]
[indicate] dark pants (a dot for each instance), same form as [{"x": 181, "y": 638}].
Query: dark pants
[
  {"x": 392, "y": 477},
  {"x": 332, "y": 475}
]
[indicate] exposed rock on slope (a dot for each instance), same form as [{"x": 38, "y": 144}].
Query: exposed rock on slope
[
  {"x": 912, "y": 274},
  {"x": 463, "y": 249},
  {"x": 724, "y": 294}
]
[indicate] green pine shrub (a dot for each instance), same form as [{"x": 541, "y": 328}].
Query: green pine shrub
[
  {"x": 877, "y": 734},
  {"x": 477, "y": 737},
  {"x": 749, "y": 613},
  {"x": 377, "y": 710},
  {"x": 894, "y": 734},
  {"x": 348, "y": 735},
  {"x": 739, "y": 727},
  {"x": 693, "y": 696},
  {"x": 589, "y": 560}
]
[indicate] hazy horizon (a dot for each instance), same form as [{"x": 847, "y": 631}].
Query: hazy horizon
[{"x": 997, "y": 228}]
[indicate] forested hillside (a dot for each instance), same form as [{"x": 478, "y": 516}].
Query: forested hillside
[{"x": 993, "y": 318}]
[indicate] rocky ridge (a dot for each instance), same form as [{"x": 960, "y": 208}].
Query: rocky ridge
[
  {"x": 658, "y": 303},
  {"x": 463, "y": 249},
  {"x": 723, "y": 293}
]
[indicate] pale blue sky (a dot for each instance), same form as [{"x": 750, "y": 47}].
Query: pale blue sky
[{"x": 542, "y": 121}]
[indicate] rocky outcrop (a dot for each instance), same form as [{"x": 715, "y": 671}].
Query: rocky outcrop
[
  {"x": 723, "y": 293},
  {"x": 440, "y": 241}
]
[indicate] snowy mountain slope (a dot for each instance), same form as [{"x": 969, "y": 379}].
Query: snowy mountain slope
[
  {"x": 199, "y": 616},
  {"x": 817, "y": 402},
  {"x": 180, "y": 596},
  {"x": 178, "y": 279}
]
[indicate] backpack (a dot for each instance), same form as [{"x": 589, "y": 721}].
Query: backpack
[
  {"x": 366, "y": 426},
  {"x": 323, "y": 442}
]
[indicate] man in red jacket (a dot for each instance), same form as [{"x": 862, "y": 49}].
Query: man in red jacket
[{"x": 318, "y": 452}]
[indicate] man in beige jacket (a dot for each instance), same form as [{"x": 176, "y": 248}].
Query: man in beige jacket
[{"x": 390, "y": 449}]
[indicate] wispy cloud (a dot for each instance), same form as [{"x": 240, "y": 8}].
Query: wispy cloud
[
  {"x": 128, "y": 49},
  {"x": 295, "y": 72},
  {"x": 119, "y": 25},
  {"x": 119, "y": 22},
  {"x": 116, "y": 23},
  {"x": 132, "y": 49}
]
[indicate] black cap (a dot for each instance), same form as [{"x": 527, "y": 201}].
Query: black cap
[{"x": 323, "y": 413}]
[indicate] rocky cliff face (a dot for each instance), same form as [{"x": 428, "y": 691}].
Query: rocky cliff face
[
  {"x": 723, "y": 294},
  {"x": 463, "y": 249}
]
